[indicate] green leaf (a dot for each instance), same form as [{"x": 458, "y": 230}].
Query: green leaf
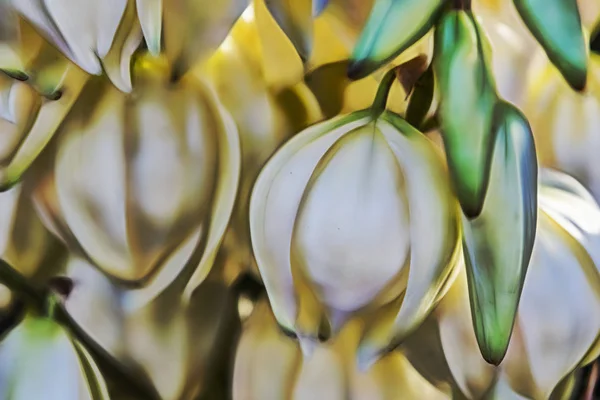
[
  {"x": 556, "y": 24},
  {"x": 467, "y": 100},
  {"x": 393, "y": 26},
  {"x": 498, "y": 243}
]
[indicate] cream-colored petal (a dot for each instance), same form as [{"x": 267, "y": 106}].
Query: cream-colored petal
[
  {"x": 351, "y": 233},
  {"x": 46, "y": 123},
  {"x": 281, "y": 64},
  {"x": 83, "y": 31},
  {"x": 174, "y": 268},
  {"x": 165, "y": 201},
  {"x": 274, "y": 203},
  {"x": 150, "y": 15},
  {"x": 225, "y": 190},
  {"x": 558, "y": 310},
  {"x": 322, "y": 375},
  {"x": 391, "y": 376},
  {"x": 431, "y": 259},
  {"x": 193, "y": 29},
  {"x": 470, "y": 372},
  {"x": 94, "y": 386},
  {"x": 266, "y": 361},
  {"x": 91, "y": 191},
  {"x": 40, "y": 351},
  {"x": 95, "y": 305},
  {"x": 117, "y": 62},
  {"x": 176, "y": 343},
  {"x": 19, "y": 43},
  {"x": 19, "y": 106}
]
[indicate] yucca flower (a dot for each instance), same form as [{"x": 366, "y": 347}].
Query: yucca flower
[
  {"x": 163, "y": 162},
  {"x": 339, "y": 220},
  {"x": 265, "y": 117},
  {"x": 565, "y": 122},
  {"x": 178, "y": 346},
  {"x": 137, "y": 181},
  {"x": 558, "y": 319},
  {"x": 39, "y": 359},
  {"x": 38, "y": 88},
  {"x": 99, "y": 37},
  {"x": 270, "y": 366},
  {"x": 512, "y": 47}
]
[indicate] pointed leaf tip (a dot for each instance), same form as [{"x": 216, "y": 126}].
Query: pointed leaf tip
[
  {"x": 381, "y": 40},
  {"x": 556, "y": 25}
]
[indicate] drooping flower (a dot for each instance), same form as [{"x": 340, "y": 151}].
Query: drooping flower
[
  {"x": 558, "y": 321},
  {"x": 341, "y": 221},
  {"x": 38, "y": 88},
  {"x": 178, "y": 346},
  {"x": 40, "y": 360},
  {"x": 565, "y": 122},
  {"x": 97, "y": 36},
  {"x": 138, "y": 181},
  {"x": 265, "y": 117},
  {"x": 270, "y": 366}
]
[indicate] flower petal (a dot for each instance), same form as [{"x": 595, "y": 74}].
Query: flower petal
[
  {"x": 274, "y": 203},
  {"x": 225, "y": 190},
  {"x": 431, "y": 256}
]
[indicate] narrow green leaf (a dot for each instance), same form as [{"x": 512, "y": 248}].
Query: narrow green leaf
[
  {"x": 556, "y": 24},
  {"x": 393, "y": 26},
  {"x": 467, "y": 100},
  {"x": 498, "y": 243}
]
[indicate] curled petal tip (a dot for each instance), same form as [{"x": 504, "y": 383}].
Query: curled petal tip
[
  {"x": 366, "y": 357},
  {"x": 307, "y": 345}
]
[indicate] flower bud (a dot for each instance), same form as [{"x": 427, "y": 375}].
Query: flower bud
[
  {"x": 340, "y": 220},
  {"x": 270, "y": 366},
  {"x": 557, "y": 328},
  {"x": 138, "y": 181},
  {"x": 39, "y": 360}
]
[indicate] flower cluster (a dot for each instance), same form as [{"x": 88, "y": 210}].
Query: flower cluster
[{"x": 275, "y": 199}]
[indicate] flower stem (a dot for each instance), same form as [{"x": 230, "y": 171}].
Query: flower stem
[
  {"x": 383, "y": 92},
  {"x": 18, "y": 283}
]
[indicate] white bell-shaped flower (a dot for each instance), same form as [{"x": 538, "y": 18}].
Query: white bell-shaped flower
[{"x": 341, "y": 221}]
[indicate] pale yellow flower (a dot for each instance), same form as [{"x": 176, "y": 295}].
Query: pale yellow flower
[
  {"x": 40, "y": 360},
  {"x": 136, "y": 182},
  {"x": 558, "y": 322},
  {"x": 270, "y": 366}
]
